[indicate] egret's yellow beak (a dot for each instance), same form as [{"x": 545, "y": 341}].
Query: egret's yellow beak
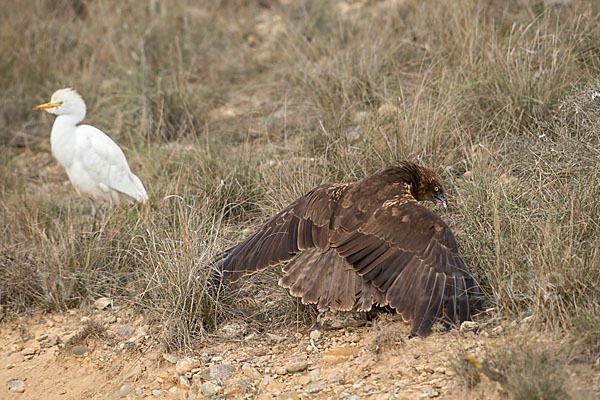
[{"x": 46, "y": 106}]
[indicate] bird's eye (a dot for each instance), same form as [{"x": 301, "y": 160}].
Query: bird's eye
[{"x": 435, "y": 188}]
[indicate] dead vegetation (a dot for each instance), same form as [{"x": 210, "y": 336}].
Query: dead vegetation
[{"x": 229, "y": 110}]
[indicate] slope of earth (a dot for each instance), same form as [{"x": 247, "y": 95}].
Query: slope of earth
[{"x": 112, "y": 354}]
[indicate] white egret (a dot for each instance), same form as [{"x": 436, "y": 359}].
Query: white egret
[{"x": 95, "y": 164}]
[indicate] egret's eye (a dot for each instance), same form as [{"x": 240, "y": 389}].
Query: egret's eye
[{"x": 435, "y": 188}]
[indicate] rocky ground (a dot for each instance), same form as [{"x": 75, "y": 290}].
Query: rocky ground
[{"x": 110, "y": 353}]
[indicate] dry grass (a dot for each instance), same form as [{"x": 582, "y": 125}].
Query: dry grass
[{"x": 230, "y": 110}]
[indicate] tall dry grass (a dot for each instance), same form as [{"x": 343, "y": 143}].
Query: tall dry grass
[{"x": 230, "y": 110}]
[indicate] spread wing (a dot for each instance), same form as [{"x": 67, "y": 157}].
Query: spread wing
[
  {"x": 409, "y": 253},
  {"x": 366, "y": 243},
  {"x": 327, "y": 280},
  {"x": 302, "y": 225}
]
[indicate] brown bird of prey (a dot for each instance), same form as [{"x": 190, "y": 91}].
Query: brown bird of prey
[{"x": 366, "y": 243}]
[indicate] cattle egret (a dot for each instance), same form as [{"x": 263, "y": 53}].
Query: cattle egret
[{"x": 95, "y": 164}]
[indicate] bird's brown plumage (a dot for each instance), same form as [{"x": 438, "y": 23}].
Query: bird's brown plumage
[{"x": 366, "y": 243}]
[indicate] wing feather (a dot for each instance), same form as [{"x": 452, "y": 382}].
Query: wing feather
[{"x": 284, "y": 235}]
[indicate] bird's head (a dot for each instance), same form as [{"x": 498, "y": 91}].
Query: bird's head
[
  {"x": 64, "y": 102},
  {"x": 430, "y": 187}
]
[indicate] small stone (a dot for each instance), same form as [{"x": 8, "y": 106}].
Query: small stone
[
  {"x": 189, "y": 375},
  {"x": 303, "y": 380},
  {"x": 16, "y": 386},
  {"x": 42, "y": 337},
  {"x": 469, "y": 326},
  {"x": 184, "y": 382},
  {"x": 337, "y": 379},
  {"x": 28, "y": 351},
  {"x": 134, "y": 373},
  {"x": 296, "y": 367},
  {"x": 53, "y": 340},
  {"x": 314, "y": 375},
  {"x": 250, "y": 372},
  {"x": 314, "y": 387},
  {"x": 217, "y": 372},
  {"x": 186, "y": 364},
  {"x": 84, "y": 319},
  {"x": 276, "y": 338},
  {"x": 172, "y": 358},
  {"x": 339, "y": 355},
  {"x": 156, "y": 392},
  {"x": 10, "y": 366},
  {"x": 125, "y": 390},
  {"x": 111, "y": 319},
  {"x": 315, "y": 335},
  {"x": 173, "y": 389},
  {"x": 498, "y": 330},
  {"x": 309, "y": 349},
  {"x": 209, "y": 388},
  {"x": 79, "y": 350},
  {"x": 232, "y": 329},
  {"x": 102, "y": 303},
  {"x": 216, "y": 359},
  {"x": 126, "y": 330}
]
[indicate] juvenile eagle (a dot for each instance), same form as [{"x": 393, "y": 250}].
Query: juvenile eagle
[{"x": 366, "y": 243}]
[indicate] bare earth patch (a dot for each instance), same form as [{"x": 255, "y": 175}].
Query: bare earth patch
[{"x": 122, "y": 359}]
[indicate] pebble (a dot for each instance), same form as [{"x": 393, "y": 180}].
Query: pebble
[
  {"x": 125, "y": 390},
  {"x": 469, "y": 326},
  {"x": 28, "y": 351},
  {"x": 314, "y": 375},
  {"x": 172, "y": 358},
  {"x": 250, "y": 372},
  {"x": 217, "y": 372},
  {"x": 53, "y": 341},
  {"x": 296, "y": 367},
  {"x": 79, "y": 350},
  {"x": 216, "y": 359},
  {"x": 209, "y": 388},
  {"x": 184, "y": 382},
  {"x": 102, "y": 303},
  {"x": 276, "y": 338},
  {"x": 314, "y": 387},
  {"x": 16, "y": 386},
  {"x": 126, "y": 330},
  {"x": 42, "y": 337},
  {"x": 186, "y": 364},
  {"x": 315, "y": 335},
  {"x": 156, "y": 392}
]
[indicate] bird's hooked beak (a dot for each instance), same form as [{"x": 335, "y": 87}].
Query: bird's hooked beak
[
  {"x": 440, "y": 200},
  {"x": 46, "y": 106}
]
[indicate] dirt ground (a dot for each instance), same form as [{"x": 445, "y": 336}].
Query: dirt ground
[{"x": 122, "y": 358}]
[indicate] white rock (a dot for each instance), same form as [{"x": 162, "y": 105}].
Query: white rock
[
  {"x": 315, "y": 335},
  {"x": 16, "y": 386},
  {"x": 156, "y": 392},
  {"x": 186, "y": 364},
  {"x": 296, "y": 367},
  {"x": 102, "y": 303},
  {"x": 125, "y": 390},
  {"x": 184, "y": 382},
  {"x": 172, "y": 358},
  {"x": 469, "y": 326},
  {"x": 250, "y": 372},
  {"x": 209, "y": 388}
]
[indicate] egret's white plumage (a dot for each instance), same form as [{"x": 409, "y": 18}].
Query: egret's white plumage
[{"x": 95, "y": 164}]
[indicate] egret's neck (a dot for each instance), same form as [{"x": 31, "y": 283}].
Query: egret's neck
[{"x": 63, "y": 137}]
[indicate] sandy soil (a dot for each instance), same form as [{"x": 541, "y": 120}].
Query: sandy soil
[{"x": 124, "y": 360}]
